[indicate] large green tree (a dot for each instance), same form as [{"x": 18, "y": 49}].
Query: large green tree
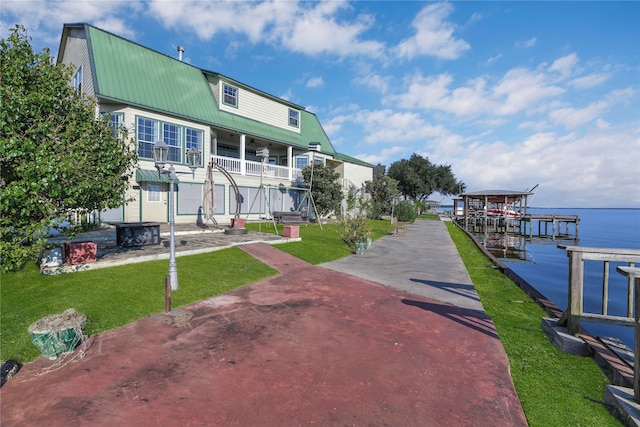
[
  {"x": 418, "y": 178},
  {"x": 326, "y": 188},
  {"x": 56, "y": 153}
]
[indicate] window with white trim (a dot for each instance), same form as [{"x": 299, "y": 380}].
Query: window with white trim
[
  {"x": 193, "y": 139},
  {"x": 116, "y": 123},
  {"x": 301, "y": 161},
  {"x": 147, "y": 134},
  {"x": 178, "y": 138},
  {"x": 77, "y": 80},
  {"x": 229, "y": 95},
  {"x": 154, "y": 193},
  {"x": 172, "y": 136},
  {"x": 294, "y": 118}
]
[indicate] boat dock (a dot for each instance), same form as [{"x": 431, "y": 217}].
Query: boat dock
[
  {"x": 500, "y": 211},
  {"x": 554, "y": 225}
]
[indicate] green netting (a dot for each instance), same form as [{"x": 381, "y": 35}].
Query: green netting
[{"x": 59, "y": 333}]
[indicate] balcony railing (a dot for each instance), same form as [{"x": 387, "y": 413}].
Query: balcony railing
[{"x": 252, "y": 168}]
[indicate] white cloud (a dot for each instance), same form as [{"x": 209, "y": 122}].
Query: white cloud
[
  {"x": 591, "y": 80},
  {"x": 374, "y": 81},
  {"x": 44, "y": 19},
  {"x": 433, "y": 35},
  {"x": 385, "y": 154},
  {"x": 521, "y": 88},
  {"x": 527, "y": 43},
  {"x": 315, "y": 82},
  {"x": 574, "y": 117},
  {"x": 494, "y": 59},
  {"x": 316, "y": 31},
  {"x": 565, "y": 65},
  {"x": 573, "y": 171}
]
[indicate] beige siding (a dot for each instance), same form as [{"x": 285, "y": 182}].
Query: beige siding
[
  {"x": 77, "y": 54},
  {"x": 357, "y": 174},
  {"x": 214, "y": 84},
  {"x": 257, "y": 107}
]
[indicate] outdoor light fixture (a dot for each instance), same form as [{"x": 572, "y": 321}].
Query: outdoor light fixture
[
  {"x": 314, "y": 146},
  {"x": 262, "y": 152},
  {"x": 160, "y": 155}
]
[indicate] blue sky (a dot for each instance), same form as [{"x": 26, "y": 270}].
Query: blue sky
[{"x": 510, "y": 94}]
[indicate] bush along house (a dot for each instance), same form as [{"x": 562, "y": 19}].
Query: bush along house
[{"x": 260, "y": 140}]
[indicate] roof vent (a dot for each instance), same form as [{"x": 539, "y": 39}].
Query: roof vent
[{"x": 180, "y": 50}]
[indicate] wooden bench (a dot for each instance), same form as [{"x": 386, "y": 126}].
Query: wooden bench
[
  {"x": 399, "y": 227},
  {"x": 289, "y": 217}
]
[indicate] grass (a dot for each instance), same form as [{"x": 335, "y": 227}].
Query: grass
[
  {"x": 318, "y": 246},
  {"x": 556, "y": 389},
  {"x": 115, "y": 296}
]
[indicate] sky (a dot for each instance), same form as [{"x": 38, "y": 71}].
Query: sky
[{"x": 509, "y": 94}]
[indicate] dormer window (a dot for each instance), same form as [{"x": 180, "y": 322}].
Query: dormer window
[
  {"x": 229, "y": 95},
  {"x": 294, "y": 118}
]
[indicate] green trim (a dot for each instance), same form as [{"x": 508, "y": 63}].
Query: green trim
[{"x": 347, "y": 158}]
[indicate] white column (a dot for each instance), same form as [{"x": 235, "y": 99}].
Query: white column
[
  {"x": 290, "y": 162},
  {"x": 214, "y": 143},
  {"x": 243, "y": 165}
]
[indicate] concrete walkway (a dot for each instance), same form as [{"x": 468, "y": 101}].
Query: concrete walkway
[
  {"x": 425, "y": 262},
  {"x": 308, "y": 346}
]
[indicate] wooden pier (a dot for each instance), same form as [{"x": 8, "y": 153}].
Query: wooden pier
[
  {"x": 553, "y": 225},
  {"x": 501, "y": 211}
]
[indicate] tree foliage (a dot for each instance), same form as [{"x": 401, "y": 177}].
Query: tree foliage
[
  {"x": 56, "y": 155},
  {"x": 384, "y": 191},
  {"x": 326, "y": 188},
  {"x": 418, "y": 178}
]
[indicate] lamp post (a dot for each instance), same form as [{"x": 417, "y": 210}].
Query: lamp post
[
  {"x": 313, "y": 147},
  {"x": 160, "y": 155}
]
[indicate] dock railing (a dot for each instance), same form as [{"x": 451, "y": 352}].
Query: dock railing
[{"x": 574, "y": 313}]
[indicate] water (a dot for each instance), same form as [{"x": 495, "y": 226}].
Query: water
[{"x": 546, "y": 267}]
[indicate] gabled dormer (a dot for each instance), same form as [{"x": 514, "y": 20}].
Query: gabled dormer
[{"x": 240, "y": 99}]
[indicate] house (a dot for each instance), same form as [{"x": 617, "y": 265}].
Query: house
[{"x": 262, "y": 141}]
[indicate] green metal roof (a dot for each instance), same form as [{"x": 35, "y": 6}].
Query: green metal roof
[
  {"x": 127, "y": 72},
  {"x": 344, "y": 157},
  {"x": 132, "y": 74}
]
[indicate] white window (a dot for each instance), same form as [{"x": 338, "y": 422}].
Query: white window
[
  {"x": 147, "y": 132},
  {"x": 77, "y": 80},
  {"x": 294, "y": 118},
  {"x": 230, "y": 95},
  {"x": 154, "y": 193},
  {"x": 301, "y": 161},
  {"x": 172, "y": 135}
]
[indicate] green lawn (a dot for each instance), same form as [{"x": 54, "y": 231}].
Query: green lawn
[
  {"x": 115, "y": 296},
  {"x": 556, "y": 389}
]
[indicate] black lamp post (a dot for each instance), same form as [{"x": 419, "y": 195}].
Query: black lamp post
[{"x": 160, "y": 154}]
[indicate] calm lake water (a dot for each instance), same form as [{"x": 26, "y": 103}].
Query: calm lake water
[{"x": 546, "y": 267}]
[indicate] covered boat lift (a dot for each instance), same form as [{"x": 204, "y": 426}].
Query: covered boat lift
[{"x": 492, "y": 208}]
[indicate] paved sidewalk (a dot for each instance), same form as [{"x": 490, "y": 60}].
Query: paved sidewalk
[
  {"x": 308, "y": 346},
  {"x": 425, "y": 262}
]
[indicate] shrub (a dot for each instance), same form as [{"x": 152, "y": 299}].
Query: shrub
[
  {"x": 405, "y": 211},
  {"x": 351, "y": 229}
]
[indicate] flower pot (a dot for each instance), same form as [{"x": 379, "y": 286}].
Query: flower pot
[
  {"x": 291, "y": 231},
  {"x": 240, "y": 222},
  {"x": 53, "y": 257}
]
